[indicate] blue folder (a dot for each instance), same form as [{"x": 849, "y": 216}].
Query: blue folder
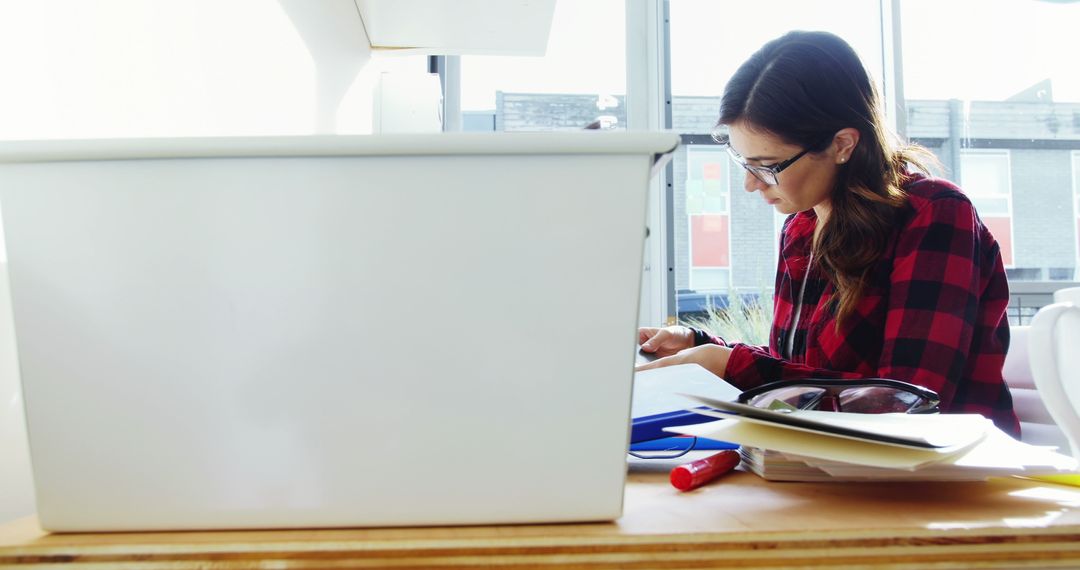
[
  {"x": 678, "y": 442},
  {"x": 657, "y": 403},
  {"x": 647, "y": 433}
]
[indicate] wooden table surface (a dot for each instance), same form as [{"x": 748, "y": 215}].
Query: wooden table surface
[{"x": 739, "y": 521}]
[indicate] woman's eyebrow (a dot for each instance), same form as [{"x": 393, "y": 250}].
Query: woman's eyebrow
[
  {"x": 754, "y": 158},
  {"x": 760, "y": 158}
]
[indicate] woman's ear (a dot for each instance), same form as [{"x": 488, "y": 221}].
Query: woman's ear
[{"x": 844, "y": 142}]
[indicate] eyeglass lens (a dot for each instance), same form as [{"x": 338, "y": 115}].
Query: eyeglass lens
[{"x": 763, "y": 174}]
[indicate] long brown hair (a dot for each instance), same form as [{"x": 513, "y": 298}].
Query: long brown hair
[{"x": 803, "y": 88}]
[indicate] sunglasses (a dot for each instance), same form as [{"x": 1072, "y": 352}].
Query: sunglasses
[{"x": 865, "y": 396}]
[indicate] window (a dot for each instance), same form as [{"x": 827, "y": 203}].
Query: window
[
  {"x": 987, "y": 182},
  {"x": 716, "y": 253},
  {"x": 999, "y": 115},
  {"x": 581, "y": 79},
  {"x": 127, "y": 68}
]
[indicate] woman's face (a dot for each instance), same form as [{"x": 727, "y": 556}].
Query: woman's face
[{"x": 803, "y": 184}]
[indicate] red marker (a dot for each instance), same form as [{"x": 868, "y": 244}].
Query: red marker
[{"x": 696, "y": 474}]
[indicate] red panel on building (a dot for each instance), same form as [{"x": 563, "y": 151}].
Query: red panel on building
[
  {"x": 709, "y": 240},
  {"x": 1001, "y": 227}
]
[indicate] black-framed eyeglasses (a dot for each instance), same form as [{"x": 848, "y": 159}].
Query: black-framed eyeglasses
[
  {"x": 766, "y": 174},
  {"x": 865, "y": 396}
]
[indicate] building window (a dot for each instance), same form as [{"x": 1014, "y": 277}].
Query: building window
[
  {"x": 987, "y": 182},
  {"x": 708, "y": 217}
]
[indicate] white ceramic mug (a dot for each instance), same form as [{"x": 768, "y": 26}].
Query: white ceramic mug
[{"x": 1055, "y": 361}]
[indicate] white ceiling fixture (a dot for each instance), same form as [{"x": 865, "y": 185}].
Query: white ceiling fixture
[{"x": 458, "y": 27}]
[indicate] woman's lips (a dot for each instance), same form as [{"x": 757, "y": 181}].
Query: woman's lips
[{"x": 771, "y": 201}]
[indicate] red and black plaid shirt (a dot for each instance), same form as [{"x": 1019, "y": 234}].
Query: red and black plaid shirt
[{"x": 932, "y": 315}]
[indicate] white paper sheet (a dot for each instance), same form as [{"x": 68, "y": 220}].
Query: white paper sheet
[
  {"x": 996, "y": 454},
  {"x": 950, "y": 432},
  {"x": 660, "y": 390},
  {"x": 820, "y": 445}
]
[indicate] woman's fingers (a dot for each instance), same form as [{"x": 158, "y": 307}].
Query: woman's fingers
[
  {"x": 665, "y": 341},
  {"x": 656, "y": 340},
  {"x": 645, "y": 333}
]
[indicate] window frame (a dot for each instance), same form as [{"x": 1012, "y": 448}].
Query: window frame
[
  {"x": 725, "y": 183},
  {"x": 649, "y": 107},
  {"x": 1074, "y": 159}
]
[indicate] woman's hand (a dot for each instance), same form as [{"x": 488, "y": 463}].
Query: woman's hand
[
  {"x": 665, "y": 341},
  {"x": 711, "y": 357}
]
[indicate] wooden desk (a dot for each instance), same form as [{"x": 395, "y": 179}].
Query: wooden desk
[{"x": 740, "y": 521}]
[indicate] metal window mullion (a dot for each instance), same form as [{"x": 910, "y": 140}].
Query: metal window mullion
[
  {"x": 664, "y": 43},
  {"x": 892, "y": 66},
  {"x": 451, "y": 81},
  {"x": 449, "y": 69},
  {"x": 647, "y": 99}
]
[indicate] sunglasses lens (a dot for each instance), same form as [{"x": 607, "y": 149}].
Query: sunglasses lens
[
  {"x": 878, "y": 400},
  {"x": 793, "y": 397},
  {"x": 856, "y": 400}
]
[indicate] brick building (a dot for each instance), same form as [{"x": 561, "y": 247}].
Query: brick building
[{"x": 1019, "y": 161}]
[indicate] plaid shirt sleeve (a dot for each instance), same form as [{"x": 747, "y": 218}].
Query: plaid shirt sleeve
[
  {"x": 946, "y": 327},
  {"x": 944, "y": 323}
]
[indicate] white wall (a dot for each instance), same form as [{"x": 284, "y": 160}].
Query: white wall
[
  {"x": 139, "y": 68},
  {"x": 136, "y": 68}
]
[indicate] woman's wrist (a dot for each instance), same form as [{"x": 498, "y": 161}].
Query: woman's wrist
[{"x": 699, "y": 337}]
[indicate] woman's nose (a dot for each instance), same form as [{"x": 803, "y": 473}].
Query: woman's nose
[{"x": 751, "y": 182}]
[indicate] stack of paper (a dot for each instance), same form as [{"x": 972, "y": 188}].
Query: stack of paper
[
  {"x": 776, "y": 466},
  {"x": 811, "y": 445}
]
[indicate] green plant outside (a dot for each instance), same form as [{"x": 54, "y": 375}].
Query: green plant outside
[{"x": 741, "y": 321}]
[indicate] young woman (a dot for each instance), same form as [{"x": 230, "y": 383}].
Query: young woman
[{"x": 883, "y": 272}]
